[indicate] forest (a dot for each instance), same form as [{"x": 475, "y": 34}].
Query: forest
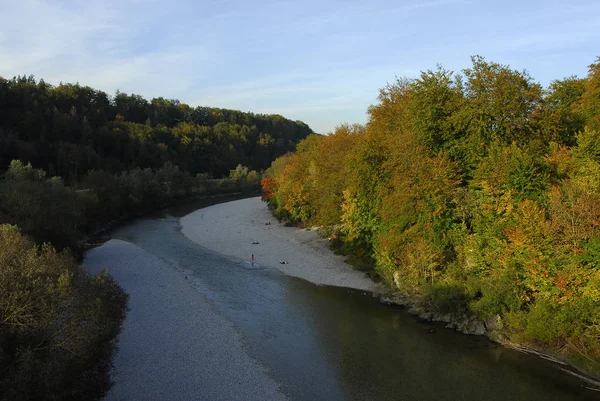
[
  {"x": 474, "y": 191},
  {"x": 73, "y": 159},
  {"x": 70, "y": 129}
]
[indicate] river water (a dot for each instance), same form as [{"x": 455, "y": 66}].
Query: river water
[{"x": 330, "y": 343}]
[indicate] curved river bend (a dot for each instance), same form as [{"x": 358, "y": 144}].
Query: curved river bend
[{"x": 331, "y": 343}]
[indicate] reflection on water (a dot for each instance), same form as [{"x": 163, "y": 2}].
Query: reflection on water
[{"x": 328, "y": 343}]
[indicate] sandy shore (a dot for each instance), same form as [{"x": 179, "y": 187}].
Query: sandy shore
[
  {"x": 174, "y": 346},
  {"x": 231, "y": 228}
]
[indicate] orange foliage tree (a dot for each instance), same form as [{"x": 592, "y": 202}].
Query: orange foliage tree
[{"x": 268, "y": 185}]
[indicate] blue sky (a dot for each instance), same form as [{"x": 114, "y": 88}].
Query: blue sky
[{"x": 322, "y": 62}]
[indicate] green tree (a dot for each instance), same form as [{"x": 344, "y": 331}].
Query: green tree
[
  {"x": 500, "y": 102},
  {"x": 590, "y": 99}
]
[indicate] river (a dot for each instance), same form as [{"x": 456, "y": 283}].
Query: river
[{"x": 319, "y": 342}]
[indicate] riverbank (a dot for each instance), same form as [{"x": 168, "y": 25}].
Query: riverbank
[
  {"x": 466, "y": 323},
  {"x": 309, "y": 341},
  {"x": 240, "y": 229},
  {"x": 254, "y": 231},
  {"x": 98, "y": 236},
  {"x": 174, "y": 345}
]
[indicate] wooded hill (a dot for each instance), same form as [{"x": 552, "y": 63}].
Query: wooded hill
[{"x": 70, "y": 129}]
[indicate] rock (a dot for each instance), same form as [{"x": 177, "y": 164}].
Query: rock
[
  {"x": 415, "y": 310},
  {"x": 462, "y": 325},
  {"x": 425, "y": 316},
  {"x": 439, "y": 317},
  {"x": 493, "y": 323},
  {"x": 476, "y": 328},
  {"x": 393, "y": 300}
]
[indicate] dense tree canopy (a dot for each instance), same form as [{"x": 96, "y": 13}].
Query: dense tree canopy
[
  {"x": 476, "y": 191},
  {"x": 71, "y": 129}
]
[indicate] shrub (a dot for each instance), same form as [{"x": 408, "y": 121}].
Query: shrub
[{"x": 57, "y": 324}]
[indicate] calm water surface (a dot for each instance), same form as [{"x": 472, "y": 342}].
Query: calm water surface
[{"x": 328, "y": 343}]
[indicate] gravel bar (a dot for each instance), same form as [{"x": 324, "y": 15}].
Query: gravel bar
[
  {"x": 174, "y": 345},
  {"x": 246, "y": 227}
]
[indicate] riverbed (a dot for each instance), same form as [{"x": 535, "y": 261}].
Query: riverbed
[{"x": 206, "y": 323}]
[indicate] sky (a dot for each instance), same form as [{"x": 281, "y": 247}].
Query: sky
[{"x": 322, "y": 62}]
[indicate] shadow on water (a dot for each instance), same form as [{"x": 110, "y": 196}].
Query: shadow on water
[
  {"x": 192, "y": 205},
  {"x": 328, "y": 343}
]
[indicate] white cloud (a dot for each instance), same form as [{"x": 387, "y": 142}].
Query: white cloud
[
  {"x": 94, "y": 43},
  {"x": 51, "y": 31}
]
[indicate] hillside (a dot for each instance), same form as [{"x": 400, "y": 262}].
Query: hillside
[{"x": 70, "y": 129}]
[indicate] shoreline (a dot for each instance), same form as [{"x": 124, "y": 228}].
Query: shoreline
[
  {"x": 467, "y": 325},
  {"x": 253, "y": 229},
  {"x": 98, "y": 236},
  {"x": 133, "y": 264},
  {"x": 165, "y": 305},
  {"x": 249, "y": 220}
]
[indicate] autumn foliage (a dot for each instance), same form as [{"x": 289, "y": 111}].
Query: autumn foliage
[
  {"x": 478, "y": 193},
  {"x": 268, "y": 186}
]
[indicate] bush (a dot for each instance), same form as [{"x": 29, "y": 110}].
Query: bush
[
  {"x": 449, "y": 297},
  {"x": 43, "y": 208},
  {"x": 57, "y": 324}
]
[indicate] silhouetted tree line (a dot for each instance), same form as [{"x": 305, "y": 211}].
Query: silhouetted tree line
[{"x": 69, "y": 129}]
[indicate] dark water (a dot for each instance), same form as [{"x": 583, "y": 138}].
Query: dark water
[{"x": 327, "y": 343}]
